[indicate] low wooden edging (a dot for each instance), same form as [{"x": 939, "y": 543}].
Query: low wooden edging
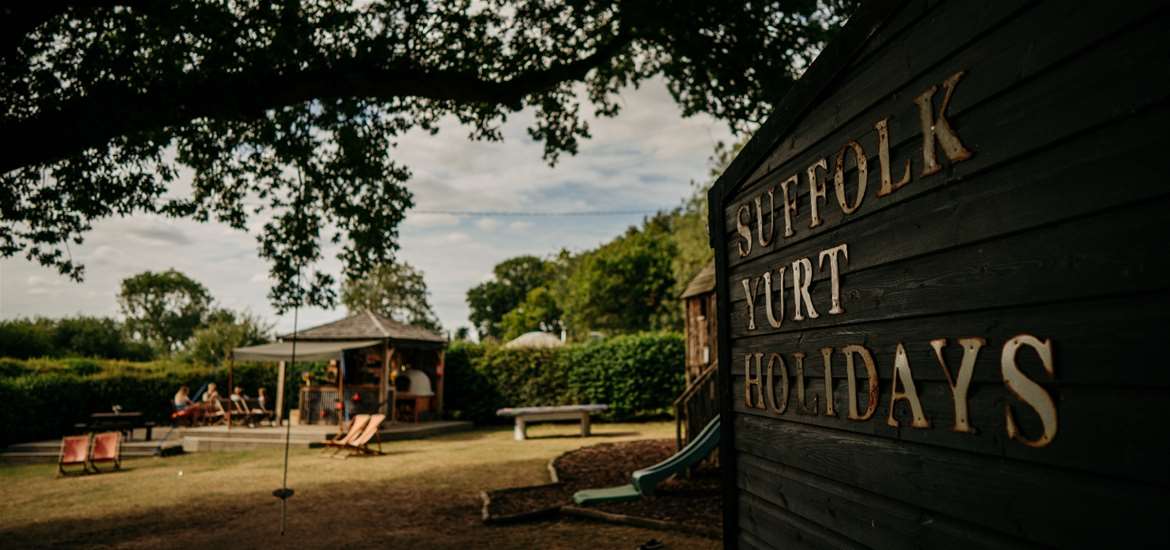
[
  {"x": 638, "y": 521},
  {"x": 542, "y": 513}
]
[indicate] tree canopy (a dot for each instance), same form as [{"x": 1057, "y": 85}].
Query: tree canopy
[
  {"x": 288, "y": 111},
  {"x": 163, "y": 308},
  {"x": 512, "y": 280},
  {"x": 395, "y": 290}
]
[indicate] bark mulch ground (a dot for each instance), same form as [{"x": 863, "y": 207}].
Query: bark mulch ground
[{"x": 694, "y": 500}]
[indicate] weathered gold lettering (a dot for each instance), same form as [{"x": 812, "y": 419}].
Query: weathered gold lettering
[
  {"x": 960, "y": 383},
  {"x": 772, "y": 320},
  {"x": 938, "y": 128},
  {"x": 750, "y": 381},
  {"x": 789, "y": 204},
  {"x": 801, "y": 402},
  {"x": 888, "y": 185},
  {"x": 1028, "y": 390},
  {"x": 745, "y": 232},
  {"x": 827, "y": 356},
  {"x": 751, "y": 293},
  {"x": 816, "y": 191},
  {"x": 834, "y": 274},
  {"x": 771, "y": 218},
  {"x": 839, "y": 177},
  {"x": 801, "y": 279},
  {"x": 902, "y": 374},
  {"x": 770, "y": 391},
  {"x": 851, "y": 379}
]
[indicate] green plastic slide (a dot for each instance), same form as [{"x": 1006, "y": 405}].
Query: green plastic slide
[{"x": 646, "y": 479}]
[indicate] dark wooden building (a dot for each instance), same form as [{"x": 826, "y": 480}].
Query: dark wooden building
[
  {"x": 698, "y": 403},
  {"x": 943, "y": 281}
]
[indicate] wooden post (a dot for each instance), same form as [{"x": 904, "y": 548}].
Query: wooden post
[
  {"x": 280, "y": 395},
  {"x": 384, "y": 377},
  {"x": 231, "y": 388},
  {"x": 341, "y": 392},
  {"x": 441, "y": 373},
  {"x": 392, "y": 364},
  {"x": 585, "y": 428}
]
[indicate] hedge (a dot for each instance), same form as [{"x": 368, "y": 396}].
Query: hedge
[
  {"x": 638, "y": 376},
  {"x": 44, "y": 398}
]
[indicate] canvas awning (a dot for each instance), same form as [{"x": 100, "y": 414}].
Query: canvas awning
[{"x": 306, "y": 351}]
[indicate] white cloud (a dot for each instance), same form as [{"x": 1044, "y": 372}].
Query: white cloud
[
  {"x": 430, "y": 220},
  {"x": 456, "y": 237},
  {"x": 642, "y": 160}
]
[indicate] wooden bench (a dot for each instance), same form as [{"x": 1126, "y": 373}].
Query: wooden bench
[{"x": 526, "y": 415}]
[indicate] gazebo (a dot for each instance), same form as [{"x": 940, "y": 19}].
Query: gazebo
[{"x": 368, "y": 354}]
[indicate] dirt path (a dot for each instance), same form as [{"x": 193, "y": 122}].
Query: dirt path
[{"x": 423, "y": 494}]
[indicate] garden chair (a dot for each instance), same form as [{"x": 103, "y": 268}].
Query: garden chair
[
  {"x": 107, "y": 447},
  {"x": 356, "y": 425},
  {"x": 361, "y": 445},
  {"x": 260, "y": 413},
  {"x": 74, "y": 451},
  {"x": 241, "y": 414}
]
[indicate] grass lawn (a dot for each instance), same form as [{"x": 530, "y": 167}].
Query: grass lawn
[{"x": 422, "y": 494}]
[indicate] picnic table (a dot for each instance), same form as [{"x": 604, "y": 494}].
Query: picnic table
[
  {"x": 124, "y": 422},
  {"x": 527, "y": 415}
]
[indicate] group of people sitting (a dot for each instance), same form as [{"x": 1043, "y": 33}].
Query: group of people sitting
[{"x": 207, "y": 406}]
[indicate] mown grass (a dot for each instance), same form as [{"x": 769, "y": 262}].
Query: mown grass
[{"x": 423, "y": 492}]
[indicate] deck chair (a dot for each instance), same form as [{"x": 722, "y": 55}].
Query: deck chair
[
  {"x": 361, "y": 444},
  {"x": 74, "y": 452},
  {"x": 107, "y": 447},
  {"x": 259, "y": 413},
  {"x": 356, "y": 425},
  {"x": 241, "y": 414}
]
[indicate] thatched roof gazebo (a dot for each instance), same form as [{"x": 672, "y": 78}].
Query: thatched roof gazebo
[{"x": 370, "y": 351}]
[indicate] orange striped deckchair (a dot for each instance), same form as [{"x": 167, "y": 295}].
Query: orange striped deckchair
[
  {"x": 356, "y": 425},
  {"x": 74, "y": 451},
  {"x": 107, "y": 447},
  {"x": 361, "y": 444}
]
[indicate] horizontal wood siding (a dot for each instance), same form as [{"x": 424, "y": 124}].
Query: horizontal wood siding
[{"x": 1057, "y": 226}]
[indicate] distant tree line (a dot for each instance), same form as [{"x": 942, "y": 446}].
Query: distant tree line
[
  {"x": 165, "y": 314},
  {"x": 627, "y": 285}
]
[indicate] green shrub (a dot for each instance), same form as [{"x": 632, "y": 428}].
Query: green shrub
[{"x": 639, "y": 376}]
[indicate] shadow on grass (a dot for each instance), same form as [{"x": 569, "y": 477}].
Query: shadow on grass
[{"x": 354, "y": 513}]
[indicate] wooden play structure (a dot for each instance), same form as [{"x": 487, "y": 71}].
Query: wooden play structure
[{"x": 698, "y": 404}]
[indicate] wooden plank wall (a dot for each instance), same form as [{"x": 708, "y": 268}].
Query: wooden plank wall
[{"x": 1056, "y": 226}]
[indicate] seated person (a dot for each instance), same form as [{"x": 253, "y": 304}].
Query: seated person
[
  {"x": 183, "y": 398},
  {"x": 211, "y": 394}
]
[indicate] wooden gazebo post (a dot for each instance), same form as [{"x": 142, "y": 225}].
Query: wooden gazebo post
[
  {"x": 440, "y": 372},
  {"x": 230, "y": 388},
  {"x": 384, "y": 376}
]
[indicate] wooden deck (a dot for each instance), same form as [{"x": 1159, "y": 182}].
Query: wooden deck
[{"x": 219, "y": 438}]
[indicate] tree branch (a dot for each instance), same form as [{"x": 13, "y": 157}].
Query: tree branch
[{"x": 106, "y": 113}]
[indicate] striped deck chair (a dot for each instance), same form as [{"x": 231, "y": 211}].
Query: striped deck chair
[
  {"x": 356, "y": 425},
  {"x": 361, "y": 444},
  {"x": 74, "y": 452},
  {"x": 107, "y": 447}
]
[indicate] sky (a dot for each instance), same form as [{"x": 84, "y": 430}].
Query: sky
[{"x": 644, "y": 160}]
